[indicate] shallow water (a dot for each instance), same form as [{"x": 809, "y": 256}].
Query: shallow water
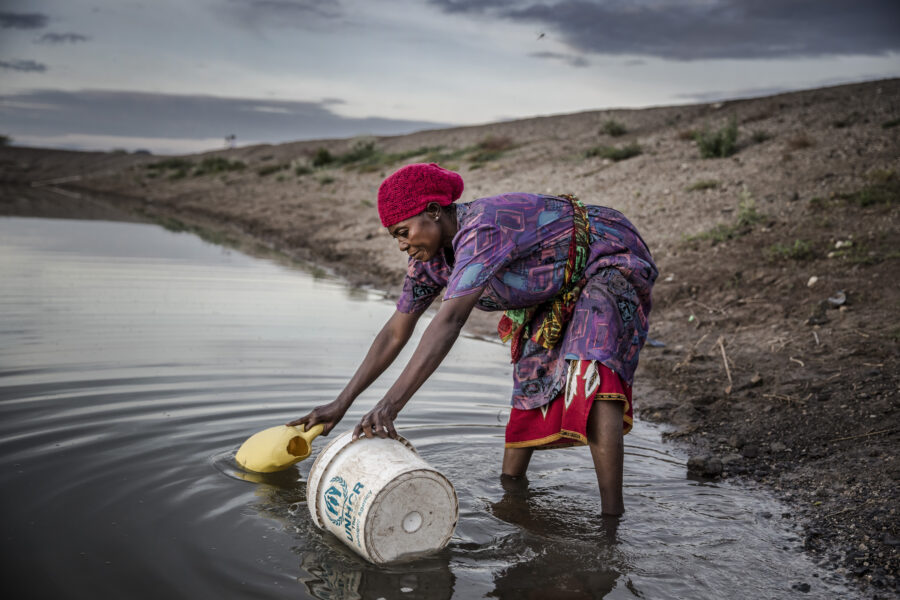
[{"x": 135, "y": 360}]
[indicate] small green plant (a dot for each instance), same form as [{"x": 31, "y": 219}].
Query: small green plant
[
  {"x": 760, "y": 136},
  {"x": 890, "y": 124},
  {"x": 747, "y": 216},
  {"x": 720, "y": 143},
  {"x": 269, "y": 169},
  {"x": 302, "y": 170},
  {"x": 178, "y": 174},
  {"x": 613, "y": 128},
  {"x": 322, "y": 157},
  {"x": 703, "y": 184},
  {"x": 799, "y": 250},
  {"x": 326, "y": 180},
  {"x": 218, "y": 164},
  {"x": 614, "y": 154},
  {"x": 884, "y": 189}
]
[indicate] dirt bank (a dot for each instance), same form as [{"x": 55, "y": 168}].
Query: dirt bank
[{"x": 776, "y": 310}]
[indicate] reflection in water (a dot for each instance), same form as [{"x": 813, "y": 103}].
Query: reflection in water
[
  {"x": 134, "y": 361},
  {"x": 580, "y": 567},
  {"x": 429, "y": 579}
]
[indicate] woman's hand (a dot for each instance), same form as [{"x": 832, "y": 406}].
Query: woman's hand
[
  {"x": 378, "y": 422},
  {"x": 328, "y": 415}
]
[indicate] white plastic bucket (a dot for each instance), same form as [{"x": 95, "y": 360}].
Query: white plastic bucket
[{"x": 381, "y": 499}]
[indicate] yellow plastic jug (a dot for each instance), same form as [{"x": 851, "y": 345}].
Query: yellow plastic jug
[{"x": 276, "y": 448}]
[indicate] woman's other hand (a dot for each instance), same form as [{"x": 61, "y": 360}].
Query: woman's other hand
[
  {"x": 378, "y": 422},
  {"x": 328, "y": 415}
]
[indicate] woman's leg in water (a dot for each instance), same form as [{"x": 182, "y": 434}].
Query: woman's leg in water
[
  {"x": 605, "y": 433},
  {"x": 515, "y": 461}
]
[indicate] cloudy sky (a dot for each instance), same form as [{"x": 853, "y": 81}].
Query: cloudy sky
[{"x": 178, "y": 75}]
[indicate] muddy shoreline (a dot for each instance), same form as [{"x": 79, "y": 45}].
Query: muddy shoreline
[{"x": 776, "y": 308}]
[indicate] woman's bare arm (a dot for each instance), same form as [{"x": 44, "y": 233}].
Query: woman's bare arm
[
  {"x": 436, "y": 342},
  {"x": 384, "y": 349}
]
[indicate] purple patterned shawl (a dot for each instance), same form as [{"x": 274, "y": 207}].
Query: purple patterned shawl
[{"x": 515, "y": 246}]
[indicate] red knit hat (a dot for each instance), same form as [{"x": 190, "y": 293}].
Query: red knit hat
[{"x": 408, "y": 191}]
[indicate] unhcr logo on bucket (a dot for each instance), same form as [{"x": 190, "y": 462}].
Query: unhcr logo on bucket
[{"x": 335, "y": 496}]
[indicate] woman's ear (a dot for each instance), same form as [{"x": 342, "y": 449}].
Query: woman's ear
[{"x": 434, "y": 211}]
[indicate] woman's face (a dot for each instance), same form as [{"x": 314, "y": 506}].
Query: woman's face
[{"x": 418, "y": 236}]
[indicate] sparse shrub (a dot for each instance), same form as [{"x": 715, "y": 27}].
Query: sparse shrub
[
  {"x": 687, "y": 135},
  {"x": 613, "y": 153},
  {"x": 747, "y": 213},
  {"x": 491, "y": 148},
  {"x": 326, "y": 180},
  {"x": 799, "y": 142},
  {"x": 170, "y": 164},
  {"x": 613, "y": 128},
  {"x": 414, "y": 152},
  {"x": 5, "y": 140},
  {"x": 360, "y": 151},
  {"x": 760, "y": 136},
  {"x": 269, "y": 169},
  {"x": 440, "y": 156},
  {"x": 800, "y": 250},
  {"x": 217, "y": 164},
  {"x": 884, "y": 189},
  {"x": 179, "y": 174},
  {"x": 890, "y": 124},
  {"x": 720, "y": 143},
  {"x": 496, "y": 143},
  {"x": 322, "y": 157},
  {"x": 302, "y": 170},
  {"x": 703, "y": 184}
]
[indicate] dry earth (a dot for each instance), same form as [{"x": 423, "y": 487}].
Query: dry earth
[{"x": 776, "y": 308}]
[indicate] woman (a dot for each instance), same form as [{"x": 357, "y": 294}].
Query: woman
[{"x": 575, "y": 283}]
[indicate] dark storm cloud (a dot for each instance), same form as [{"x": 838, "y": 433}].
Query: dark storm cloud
[
  {"x": 465, "y": 6},
  {"x": 62, "y": 38},
  {"x": 290, "y": 13},
  {"x": 28, "y": 66},
  {"x": 570, "y": 59},
  {"x": 715, "y": 29},
  {"x": 132, "y": 114},
  {"x": 10, "y": 20}
]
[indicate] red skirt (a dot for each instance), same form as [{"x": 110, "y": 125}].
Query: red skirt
[{"x": 563, "y": 422}]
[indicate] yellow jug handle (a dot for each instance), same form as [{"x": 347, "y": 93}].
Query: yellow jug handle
[{"x": 313, "y": 433}]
